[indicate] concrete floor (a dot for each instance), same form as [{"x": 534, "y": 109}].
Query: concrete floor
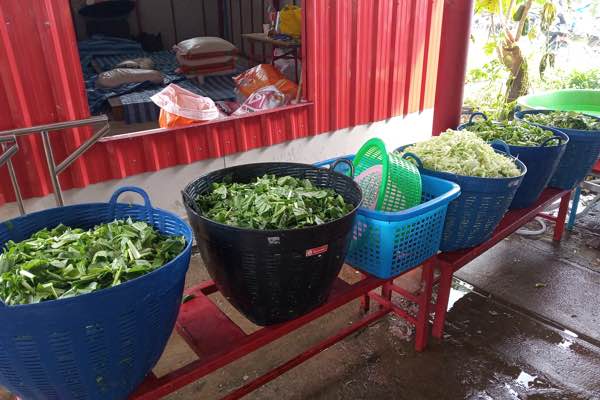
[{"x": 523, "y": 324}]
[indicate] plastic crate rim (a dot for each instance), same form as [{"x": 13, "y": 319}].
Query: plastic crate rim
[{"x": 452, "y": 193}]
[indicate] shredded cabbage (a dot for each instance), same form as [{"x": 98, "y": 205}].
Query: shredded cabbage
[{"x": 463, "y": 153}]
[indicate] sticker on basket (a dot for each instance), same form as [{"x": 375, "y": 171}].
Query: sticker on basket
[
  {"x": 274, "y": 240},
  {"x": 317, "y": 250}
]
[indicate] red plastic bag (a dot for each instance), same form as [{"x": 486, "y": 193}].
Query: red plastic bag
[
  {"x": 265, "y": 98},
  {"x": 260, "y": 76},
  {"x": 180, "y": 107}
]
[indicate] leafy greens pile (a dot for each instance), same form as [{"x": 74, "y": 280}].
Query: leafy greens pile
[
  {"x": 515, "y": 133},
  {"x": 463, "y": 153},
  {"x": 65, "y": 262},
  {"x": 272, "y": 202},
  {"x": 565, "y": 119}
]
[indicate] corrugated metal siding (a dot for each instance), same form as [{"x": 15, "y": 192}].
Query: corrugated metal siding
[
  {"x": 370, "y": 59},
  {"x": 365, "y": 60}
]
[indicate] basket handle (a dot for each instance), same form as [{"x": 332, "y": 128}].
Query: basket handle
[
  {"x": 134, "y": 189},
  {"x": 477, "y": 114},
  {"x": 500, "y": 144},
  {"x": 545, "y": 142},
  {"x": 339, "y": 161},
  {"x": 190, "y": 202},
  {"x": 415, "y": 157}
]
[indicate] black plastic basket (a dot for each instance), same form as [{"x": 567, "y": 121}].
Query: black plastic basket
[{"x": 273, "y": 276}]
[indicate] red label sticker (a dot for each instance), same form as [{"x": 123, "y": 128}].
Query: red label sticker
[{"x": 317, "y": 250}]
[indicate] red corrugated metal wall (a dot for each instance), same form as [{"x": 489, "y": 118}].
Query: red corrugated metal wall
[
  {"x": 370, "y": 60},
  {"x": 365, "y": 60}
]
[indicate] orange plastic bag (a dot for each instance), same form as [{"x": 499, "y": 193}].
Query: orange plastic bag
[
  {"x": 260, "y": 76},
  {"x": 180, "y": 107}
]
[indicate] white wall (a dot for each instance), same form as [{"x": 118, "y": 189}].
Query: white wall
[{"x": 164, "y": 186}]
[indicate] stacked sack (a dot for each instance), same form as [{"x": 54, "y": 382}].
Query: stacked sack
[{"x": 205, "y": 56}]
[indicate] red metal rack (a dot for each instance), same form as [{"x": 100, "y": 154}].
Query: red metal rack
[
  {"x": 448, "y": 263},
  {"x": 218, "y": 341}
]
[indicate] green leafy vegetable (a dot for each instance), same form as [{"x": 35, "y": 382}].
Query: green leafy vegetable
[
  {"x": 565, "y": 119},
  {"x": 463, "y": 153},
  {"x": 65, "y": 262},
  {"x": 272, "y": 202},
  {"x": 513, "y": 132}
]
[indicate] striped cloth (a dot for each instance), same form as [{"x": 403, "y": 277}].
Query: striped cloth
[{"x": 99, "y": 45}]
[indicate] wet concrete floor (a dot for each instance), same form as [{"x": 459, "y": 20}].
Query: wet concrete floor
[{"x": 524, "y": 323}]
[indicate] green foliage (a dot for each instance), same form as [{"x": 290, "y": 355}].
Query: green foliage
[
  {"x": 589, "y": 79},
  {"x": 565, "y": 119},
  {"x": 66, "y": 262},
  {"x": 272, "y": 202},
  {"x": 512, "y": 132},
  {"x": 548, "y": 16}
]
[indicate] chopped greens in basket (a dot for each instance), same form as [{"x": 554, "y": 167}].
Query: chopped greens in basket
[
  {"x": 463, "y": 153},
  {"x": 271, "y": 202},
  {"x": 514, "y": 133},
  {"x": 65, "y": 262},
  {"x": 565, "y": 119}
]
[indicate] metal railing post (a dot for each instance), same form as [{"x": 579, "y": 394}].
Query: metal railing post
[{"x": 53, "y": 169}]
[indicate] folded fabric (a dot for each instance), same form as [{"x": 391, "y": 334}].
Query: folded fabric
[{"x": 120, "y": 76}]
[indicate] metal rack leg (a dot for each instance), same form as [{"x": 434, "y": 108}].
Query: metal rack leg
[
  {"x": 386, "y": 292},
  {"x": 441, "y": 304},
  {"x": 422, "y": 325},
  {"x": 52, "y": 168},
  {"x": 562, "y": 215},
  {"x": 573, "y": 213},
  {"x": 16, "y": 188},
  {"x": 365, "y": 300}
]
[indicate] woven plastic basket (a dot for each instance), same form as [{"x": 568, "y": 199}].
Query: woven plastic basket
[
  {"x": 99, "y": 345},
  {"x": 473, "y": 216},
  {"x": 400, "y": 185},
  {"x": 272, "y": 276},
  {"x": 581, "y": 154},
  {"x": 541, "y": 162},
  {"x": 385, "y": 244}
]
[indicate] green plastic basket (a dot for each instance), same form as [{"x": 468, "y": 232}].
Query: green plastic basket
[{"x": 398, "y": 188}]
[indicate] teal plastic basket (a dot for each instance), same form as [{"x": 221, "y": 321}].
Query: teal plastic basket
[{"x": 386, "y": 244}]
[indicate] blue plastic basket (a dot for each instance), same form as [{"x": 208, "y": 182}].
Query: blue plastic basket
[
  {"x": 385, "y": 244},
  {"x": 473, "y": 216},
  {"x": 541, "y": 162},
  {"x": 580, "y": 156},
  {"x": 99, "y": 345}
]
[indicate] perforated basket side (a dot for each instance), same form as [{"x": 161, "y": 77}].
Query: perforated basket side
[
  {"x": 404, "y": 185},
  {"x": 392, "y": 243},
  {"x": 95, "y": 346},
  {"x": 581, "y": 153}
]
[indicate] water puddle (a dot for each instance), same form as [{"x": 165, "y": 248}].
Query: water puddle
[
  {"x": 458, "y": 290},
  {"x": 525, "y": 380},
  {"x": 567, "y": 342}
]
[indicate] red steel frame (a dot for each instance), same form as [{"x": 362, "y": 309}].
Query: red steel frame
[
  {"x": 448, "y": 263},
  {"x": 218, "y": 341}
]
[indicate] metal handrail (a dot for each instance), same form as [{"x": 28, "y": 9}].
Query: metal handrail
[{"x": 44, "y": 130}]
